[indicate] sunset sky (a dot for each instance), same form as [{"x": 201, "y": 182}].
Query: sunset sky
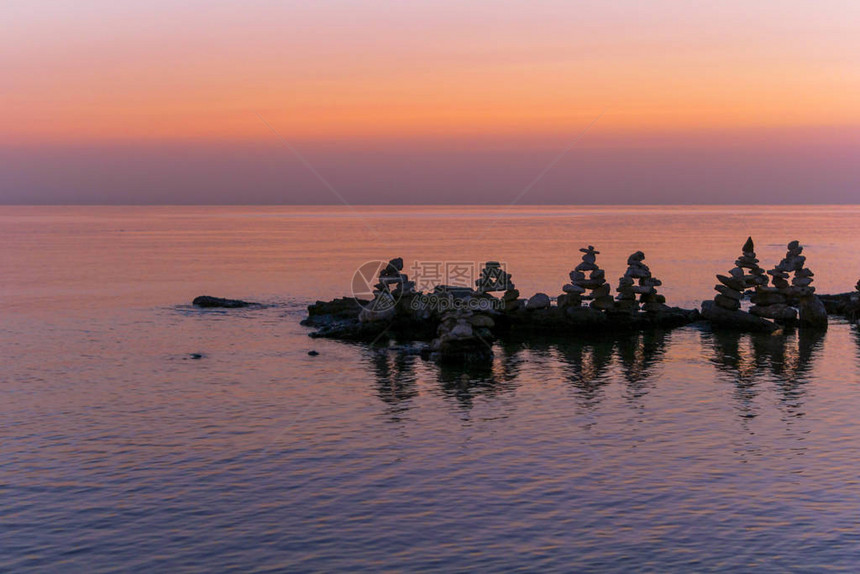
[{"x": 429, "y": 102}]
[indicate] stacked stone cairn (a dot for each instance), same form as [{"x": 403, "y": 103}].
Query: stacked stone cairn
[
  {"x": 637, "y": 280},
  {"x": 392, "y": 286},
  {"x": 731, "y": 289},
  {"x": 595, "y": 283},
  {"x": 777, "y": 302},
  {"x": 494, "y": 278},
  {"x": 392, "y": 274}
]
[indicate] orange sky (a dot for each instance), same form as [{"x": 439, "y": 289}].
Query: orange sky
[
  {"x": 99, "y": 71},
  {"x": 429, "y": 101}
]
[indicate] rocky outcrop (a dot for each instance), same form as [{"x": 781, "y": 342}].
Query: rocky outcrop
[{"x": 845, "y": 304}]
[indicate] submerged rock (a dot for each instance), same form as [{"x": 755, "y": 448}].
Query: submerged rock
[{"x": 207, "y": 301}]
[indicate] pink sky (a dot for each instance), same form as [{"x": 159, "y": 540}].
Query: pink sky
[{"x": 426, "y": 102}]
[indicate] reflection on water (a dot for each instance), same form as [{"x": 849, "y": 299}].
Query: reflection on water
[
  {"x": 579, "y": 454},
  {"x": 395, "y": 378},
  {"x": 748, "y": 359},
  {"x": 784, "y": 359}
]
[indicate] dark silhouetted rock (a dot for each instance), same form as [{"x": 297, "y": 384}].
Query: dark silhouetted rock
[
  {"x": 538, "y": 301},
  {"x": 735, "y": 320},
  {"x": 207, "y": 301},
  {"x": 812, "y": 312}
]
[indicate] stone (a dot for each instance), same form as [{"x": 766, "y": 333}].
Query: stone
[
  {"x": 482, "y": 321},
  {"x": 635, "y": 258},
  {"x": 511, "y": 295},
  {"x": 735, "y": 320},
  {"x": 601, "y": 291},
  {"x": 638, "y": 272},
  {"x": 812, "y": 312},
  {"x": 538, "y": 301},
  {"x": 765, "y": 298},
  {"x": 207, "y": 301},
  {"x": 779, "y": 312},
  {"x": 603, "y": 303},
  {"x": 732, "y": 282},
  {"x": 727, "y": 302},
  {"x": 313, "y": 353},
  {"x": 728, "y": 292},
  {"x": 574, "y": 289},
  {"x": 462, "y": 330},
  {"x": 373, "y": 314}
]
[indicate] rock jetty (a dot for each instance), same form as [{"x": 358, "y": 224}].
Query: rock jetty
[{"x": 461, "y": 322}]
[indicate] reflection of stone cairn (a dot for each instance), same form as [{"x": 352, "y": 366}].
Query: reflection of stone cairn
[
  {"x": 776, "y": 302},
  {"x": 595, "y": 283},
  {"x": 495, "y": 278},
  {"x": 646, "y": 287},
  {"x": 732, "y": 287},
  {"x": 463, "y": 336}
]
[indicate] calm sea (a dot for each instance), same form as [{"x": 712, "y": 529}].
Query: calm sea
[{"x": 685, "y": 450}]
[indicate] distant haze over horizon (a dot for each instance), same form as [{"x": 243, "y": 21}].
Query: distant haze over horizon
[{"x": 395, "y": 103}]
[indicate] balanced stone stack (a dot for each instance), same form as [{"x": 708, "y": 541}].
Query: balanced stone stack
[
  {"x": 594, "y": 282},
  {"x": 495, "y": 278},
  {"x": 383, "y": 306},
  {"x": 756, "y": 276},
  {"x": 637, "y": 280},
  {"x": 392, "y": 274},
  {"x": 731, "y": 289},
  {"x": 778, "y": 301}
]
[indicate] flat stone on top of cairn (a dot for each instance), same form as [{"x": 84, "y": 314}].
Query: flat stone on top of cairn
[{"x": 637, "y": 280}]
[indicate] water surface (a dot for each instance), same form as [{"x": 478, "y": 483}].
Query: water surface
[{"x": 670, "y": 450}]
